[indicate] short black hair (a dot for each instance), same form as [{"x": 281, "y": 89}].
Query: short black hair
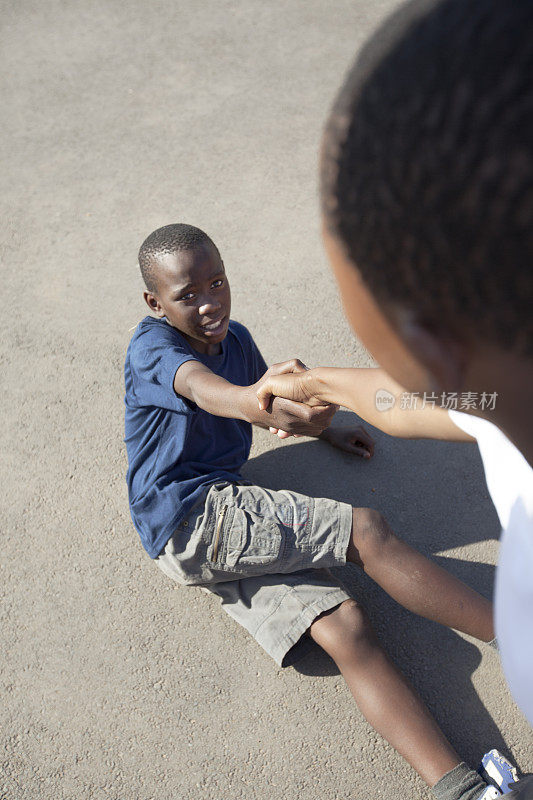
[
  {"x": 168, "y": 239},
  {"x": 427, "y": 167}
]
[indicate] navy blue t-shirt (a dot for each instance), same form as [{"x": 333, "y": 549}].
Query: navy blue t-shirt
[{"x": 174, "y": 447}]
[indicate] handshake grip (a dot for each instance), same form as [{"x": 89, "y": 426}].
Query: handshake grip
[
  {"x": 284, "y": 392},
  {"x": 298, "y": 419}
]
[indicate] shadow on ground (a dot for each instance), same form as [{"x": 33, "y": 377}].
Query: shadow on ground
[{"x": 434, "y": 495}]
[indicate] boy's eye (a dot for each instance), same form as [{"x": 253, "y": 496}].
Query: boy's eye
[
  {"x": 187, "y": 296},
  {"x": 217, "y": 283}
]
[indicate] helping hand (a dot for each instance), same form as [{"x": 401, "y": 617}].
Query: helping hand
[
  {"x": 312, "y": 420},
  {"x": 291, "y": 384},
  {"x": 291, "y": 367}
]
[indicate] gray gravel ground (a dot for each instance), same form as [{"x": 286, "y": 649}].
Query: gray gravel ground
[{"x": 119, "y": 117}]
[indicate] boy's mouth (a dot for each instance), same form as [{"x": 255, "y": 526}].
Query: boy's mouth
[{"x": 215, "y": 327}]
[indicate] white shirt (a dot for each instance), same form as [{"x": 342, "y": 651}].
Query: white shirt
[{"x": 510, "y": 483}]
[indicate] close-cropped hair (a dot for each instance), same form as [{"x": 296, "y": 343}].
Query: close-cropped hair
[
  {"x": 427, "y": 167},
  {"x": 168, "y": 239}
]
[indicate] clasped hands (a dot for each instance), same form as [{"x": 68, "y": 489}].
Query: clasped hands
[{"x": 287, "y": 391}]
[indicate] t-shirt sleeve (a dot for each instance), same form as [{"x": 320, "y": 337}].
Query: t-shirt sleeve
[{"x": 155, "y": 357}]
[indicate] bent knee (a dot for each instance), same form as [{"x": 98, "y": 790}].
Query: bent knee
[
  {"x": 370, "y": 532},
  {"x": 343, "y": 629}
]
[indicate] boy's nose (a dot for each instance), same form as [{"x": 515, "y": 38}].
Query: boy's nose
[{"x": 209, "y": 307}]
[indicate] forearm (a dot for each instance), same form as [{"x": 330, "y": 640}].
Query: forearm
[
  {"x": 216, "y": 395},
  {"x": 357, "y": 389}
]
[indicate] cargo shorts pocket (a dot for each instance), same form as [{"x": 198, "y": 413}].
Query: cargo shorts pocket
[{"x": 243, "y": 539}]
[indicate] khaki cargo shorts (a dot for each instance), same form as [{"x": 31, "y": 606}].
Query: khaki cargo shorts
[{"x": 266, "y": 554}]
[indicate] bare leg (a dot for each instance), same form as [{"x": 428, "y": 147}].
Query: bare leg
[
  {"x": 382, "y": 693},
  {"x": 414, "y": 581}
]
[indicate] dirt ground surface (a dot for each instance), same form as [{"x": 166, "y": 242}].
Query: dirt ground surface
[{"x": 119, "y": 117}]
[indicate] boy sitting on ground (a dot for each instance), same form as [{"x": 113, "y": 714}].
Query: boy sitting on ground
[{"x": 191, "y": 378}]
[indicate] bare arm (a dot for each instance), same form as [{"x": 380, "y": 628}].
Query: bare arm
[
  {"x": 356, "y": 389},
  {"x": 218, "y": 396}
]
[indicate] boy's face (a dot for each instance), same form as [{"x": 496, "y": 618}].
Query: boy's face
[{"x": 193, "y": 293}]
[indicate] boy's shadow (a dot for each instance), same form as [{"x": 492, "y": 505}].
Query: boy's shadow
[{"x": 434, "y": 495}]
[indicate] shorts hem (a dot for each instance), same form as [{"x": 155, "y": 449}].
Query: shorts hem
[{"x": 280, "y": 649}]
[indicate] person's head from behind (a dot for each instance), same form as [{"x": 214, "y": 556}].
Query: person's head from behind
[
  {"x": 186, "y": 283},
  {"x": 427, "y": 192}
]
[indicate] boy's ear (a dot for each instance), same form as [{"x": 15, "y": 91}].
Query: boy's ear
[
  {"x": 153, "y": 303},
  {"x": 443, "y": 358}
]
